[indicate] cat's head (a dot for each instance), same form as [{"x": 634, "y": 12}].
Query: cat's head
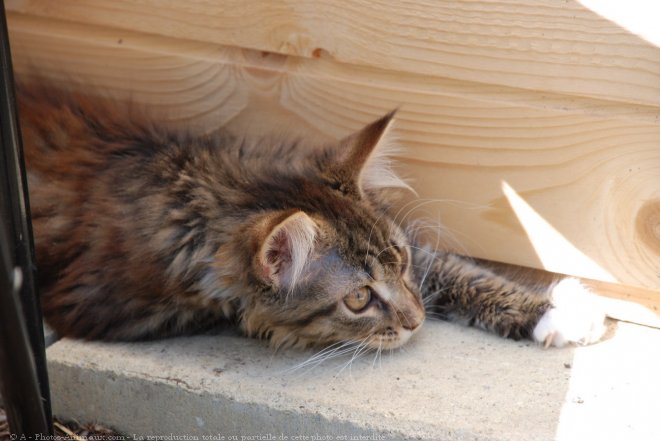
[{"x": 333, "y": 265}]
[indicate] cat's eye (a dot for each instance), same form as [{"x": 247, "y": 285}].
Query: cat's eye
[{"x": 359, "y": 299}]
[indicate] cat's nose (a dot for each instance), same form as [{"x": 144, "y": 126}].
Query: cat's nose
[{"x": 411, "y": 321}]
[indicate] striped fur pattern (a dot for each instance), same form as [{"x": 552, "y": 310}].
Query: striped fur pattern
[{"x": 143, "y": 231}]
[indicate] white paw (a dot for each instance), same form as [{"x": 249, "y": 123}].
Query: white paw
[{"x": 575, "y": 317}]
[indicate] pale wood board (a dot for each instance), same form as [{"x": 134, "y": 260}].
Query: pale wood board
[
  {"x": 593, "y": 177},
  {"x": 546, "y": 45}
]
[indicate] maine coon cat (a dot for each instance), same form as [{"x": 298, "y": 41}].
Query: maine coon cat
[{"x": 144, "y": 231}]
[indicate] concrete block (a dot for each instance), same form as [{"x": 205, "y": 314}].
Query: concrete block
[{"x": 449, "y": 382}]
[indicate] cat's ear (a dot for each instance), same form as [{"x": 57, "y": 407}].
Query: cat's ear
[
  {"x": 286, "y": 249},
  {"x": 364, "y": 157}
]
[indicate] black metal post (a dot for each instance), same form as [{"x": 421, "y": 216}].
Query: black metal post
[{"x": 23, "y": 374}]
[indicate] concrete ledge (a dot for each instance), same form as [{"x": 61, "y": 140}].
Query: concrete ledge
[{"x": 450, "y": 382}]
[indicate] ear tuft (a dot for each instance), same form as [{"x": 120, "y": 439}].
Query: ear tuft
[
  {"x": 365, "y": 160},
  {"x": 287, "y": 249},
  {"x": 377, "y": 172}
]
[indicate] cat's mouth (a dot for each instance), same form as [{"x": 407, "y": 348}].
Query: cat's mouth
[{"x": 391, "y": 339}]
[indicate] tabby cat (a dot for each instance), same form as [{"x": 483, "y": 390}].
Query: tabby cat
[{"x": 143, "y": 231}]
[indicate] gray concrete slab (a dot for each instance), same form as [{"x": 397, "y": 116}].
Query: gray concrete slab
[{"x": 450, "y": 382}]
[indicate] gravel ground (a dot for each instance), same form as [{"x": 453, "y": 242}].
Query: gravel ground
[{"x": 66, "y": 431}]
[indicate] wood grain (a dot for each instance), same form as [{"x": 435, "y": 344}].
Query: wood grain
[
  {"x": 592, "y": 176},
  {"x": 545, "y": 45}
]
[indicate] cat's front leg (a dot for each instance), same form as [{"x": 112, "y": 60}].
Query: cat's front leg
[
  {"x": 575, "y": 316},
  {"x": 455, "y": 288}
]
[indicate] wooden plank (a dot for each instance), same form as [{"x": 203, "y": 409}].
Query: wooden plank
[
  {"x": 629, "y": 304},
  {"x": 544, "y": 45},
  {"x": 593, "y": 180}
]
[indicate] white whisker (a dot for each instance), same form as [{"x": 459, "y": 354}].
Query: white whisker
[
  {"x": 378, "y": 353},
  {"x": 361, "y": 348},
  {"x": 332, "y": 351}
]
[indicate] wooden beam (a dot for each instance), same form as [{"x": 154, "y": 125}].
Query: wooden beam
[
  {"x": 487, "y": 164},
  {"x": 546, "y": 45}
]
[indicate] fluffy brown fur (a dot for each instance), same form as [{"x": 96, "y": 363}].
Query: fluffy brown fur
[{"x": 143, "y": 231}]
